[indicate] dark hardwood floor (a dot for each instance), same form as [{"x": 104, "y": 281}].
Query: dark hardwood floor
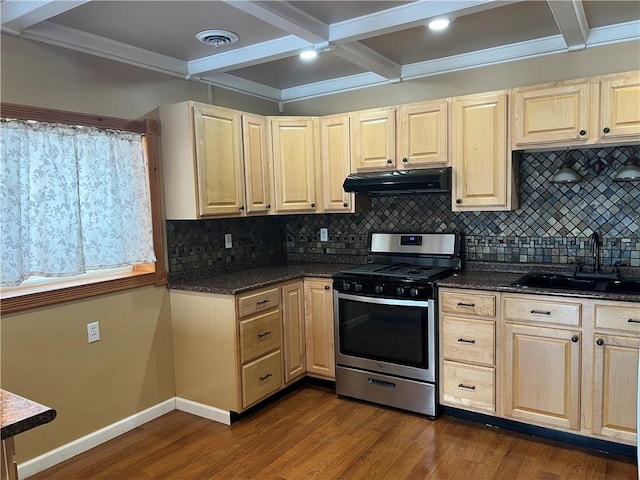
[{"x": 310, "y": 433}]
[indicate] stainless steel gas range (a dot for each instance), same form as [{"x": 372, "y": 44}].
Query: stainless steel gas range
[{"x": 386, "y": 320}]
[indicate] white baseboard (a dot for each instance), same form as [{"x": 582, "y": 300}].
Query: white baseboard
[
  {"x": 71, "y": 449},
  {"x": 195, "y": 408}
]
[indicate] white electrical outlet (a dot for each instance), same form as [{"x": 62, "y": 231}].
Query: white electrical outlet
[
  {"x": 324, "y": 234},
  {"x": 93, "y": 331},
  {"x": 228, "y": 241}
]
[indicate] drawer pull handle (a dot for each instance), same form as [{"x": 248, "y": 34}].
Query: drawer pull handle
[
  {"x": 381, "y": 383},
  {"x": 633, "y": 320},
  {"x": 262, "y": 302},
  {"x": 468, "y": 387},
  {"x": 260, "y": 335},
  {"x": 264, "y": 377},
  {"x": 471, "y": 305},
  {"x": 539, "y": 312},
  {"x": 464, "y": 340},
  {"x": 599, "y": 342},
  {"x": 575, "y": 339}
]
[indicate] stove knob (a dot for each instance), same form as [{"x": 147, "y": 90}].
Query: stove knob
[
  {"x": 346, "y": 286},
  {"x": 400, "y": 290},
  {"x": 357, "y": 287},
  {"x": 413, "y": 292},
  {"x": 378, "y": 288}
]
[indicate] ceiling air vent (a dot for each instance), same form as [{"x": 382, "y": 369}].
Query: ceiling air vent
[{"x": 217, "y": 38}]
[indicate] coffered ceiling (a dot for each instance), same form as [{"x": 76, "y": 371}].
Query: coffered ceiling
[{"x": 360, "y": 43}]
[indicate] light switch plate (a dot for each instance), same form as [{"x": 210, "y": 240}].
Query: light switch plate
[
  {"x": 228, "y": 241},
  {"x": 324, "y": 234}
]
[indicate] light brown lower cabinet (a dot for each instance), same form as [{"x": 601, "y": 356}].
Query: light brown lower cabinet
[
  {"x": 318, "y": 294},
  {"x": 564, "y": 363},
  {"x": 293, "y": 319}
]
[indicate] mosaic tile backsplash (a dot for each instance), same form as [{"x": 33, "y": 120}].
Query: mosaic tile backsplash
[{"x": 552, "y": 225}]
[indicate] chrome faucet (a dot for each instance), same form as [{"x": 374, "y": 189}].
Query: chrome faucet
[{"x": 595, "y": 250}]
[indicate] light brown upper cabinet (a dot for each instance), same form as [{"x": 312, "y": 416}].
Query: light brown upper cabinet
[
  {"x": 295, "y": 157},
  {"x": 620, "y": 107},
  {"x": 373, "y": 139},
  {"x": 483, "y": 175},
  {"x": 203, "y": 162},
  {"x": 335, "y": 159},
  {"x": 422, "y": 138},
  {"x": 590, "y": 111}
]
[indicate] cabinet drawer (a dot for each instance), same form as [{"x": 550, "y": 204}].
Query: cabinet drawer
[
  {"x": 259, "y": 335},
  {"x": 468, "y": 340},
  {"x": 469, "y": 386},
  {"x": 541, "y": 311},
  {"x": 261, "y": 378},
  {"x": 469, "y": 304},
  {"x": 618, "y": 318},
  {"x": 253, "y": 302}
]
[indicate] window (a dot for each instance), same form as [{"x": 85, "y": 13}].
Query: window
[{"x": 80, "y": 203}]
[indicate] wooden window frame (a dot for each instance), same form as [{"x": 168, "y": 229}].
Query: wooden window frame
[{"x": 140, "y": 277}]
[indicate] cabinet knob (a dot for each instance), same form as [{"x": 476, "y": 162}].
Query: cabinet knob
[
  {"x": 458, "y": 201},
  {"x": 327, "y": 287},
  {"x": 389, "y": 161},
  {"x": 241, "y": 208},
  {"x": 606, "y": 130},
  {"x": 600, "y": 342},
  {"x": 405, "y": 159},
  {"x": 575, "y": 339},
  {"x": 313, "y": 205},
  {"x": 345, "y": 205},
  {"x": 268, "y": 206},
  {"x": 583, "y": 133}
]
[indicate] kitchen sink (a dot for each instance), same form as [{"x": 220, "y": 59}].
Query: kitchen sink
[
  {"x": 630, "y": 286},
  {"x": 548, "y": 280},
  {"x": 569, "y": 282}
]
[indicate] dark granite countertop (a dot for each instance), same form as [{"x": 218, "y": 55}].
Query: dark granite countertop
[
  {"x": 501, "y": 282},
  {"x": 245, "y": 280},
  {"x": 18, "y": 414}
]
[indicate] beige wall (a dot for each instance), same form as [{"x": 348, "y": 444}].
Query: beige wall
[{"x": 46, "y": 357}]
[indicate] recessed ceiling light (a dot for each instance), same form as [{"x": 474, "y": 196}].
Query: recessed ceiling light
[
  {"x": 439, "y": 24},
  {"x": 217, "y": 38},
  {"x": 308, "y": 54}
]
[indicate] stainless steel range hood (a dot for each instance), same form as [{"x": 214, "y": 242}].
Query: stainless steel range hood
[{"x": 400, "y": 182}]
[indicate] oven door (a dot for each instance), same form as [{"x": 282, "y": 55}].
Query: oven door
[{"x": 390, "y": 336}]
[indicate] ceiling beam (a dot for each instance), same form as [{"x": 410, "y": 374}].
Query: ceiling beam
[
  {"x": 572, "y": 22},
  {"x": 247, "y": 56},
  {"x": 367, "y": 58},
  {"x": 406, "y": 16},
  {"x": 18, "y": 15},
  {"x": 287, "y": 18}
]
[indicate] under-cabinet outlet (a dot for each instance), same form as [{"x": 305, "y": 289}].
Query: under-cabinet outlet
[
  {"x": 93, "y": 332},
  {"x": 324, "y": 234},
  {"x": 228, "y": 241}
]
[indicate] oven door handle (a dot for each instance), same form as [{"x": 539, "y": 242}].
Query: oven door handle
[{"x": 384, "y": 301}]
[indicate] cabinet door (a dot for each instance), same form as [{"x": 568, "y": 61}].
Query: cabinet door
[
  {"x": 615, "y": 387},
  {"x": 373, "y": 139},
  {"x": 293, "y": 318},
  {"x": 294, "y": 159},
  {"x": 620, "y": 107},
  {"x": 335, "y": 159},
  {"x": 542, "y": 376},
  {"x": 218, "y": 160},
  {"x": 481, "y": 166},
  {"x": 318, "y": 299},
  {"x": 257, "y": 192},
  {"x": 552, "y": 115},
  {"x": 422, "y": 141}
]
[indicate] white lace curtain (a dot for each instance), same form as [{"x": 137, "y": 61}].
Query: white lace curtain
[{"x": 72, "y": 199}]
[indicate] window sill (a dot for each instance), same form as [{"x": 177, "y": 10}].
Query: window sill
[{"x": 43, "y": 295}]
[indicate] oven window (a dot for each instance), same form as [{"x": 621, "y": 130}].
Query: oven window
[{"x": 389, "y": 333}]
